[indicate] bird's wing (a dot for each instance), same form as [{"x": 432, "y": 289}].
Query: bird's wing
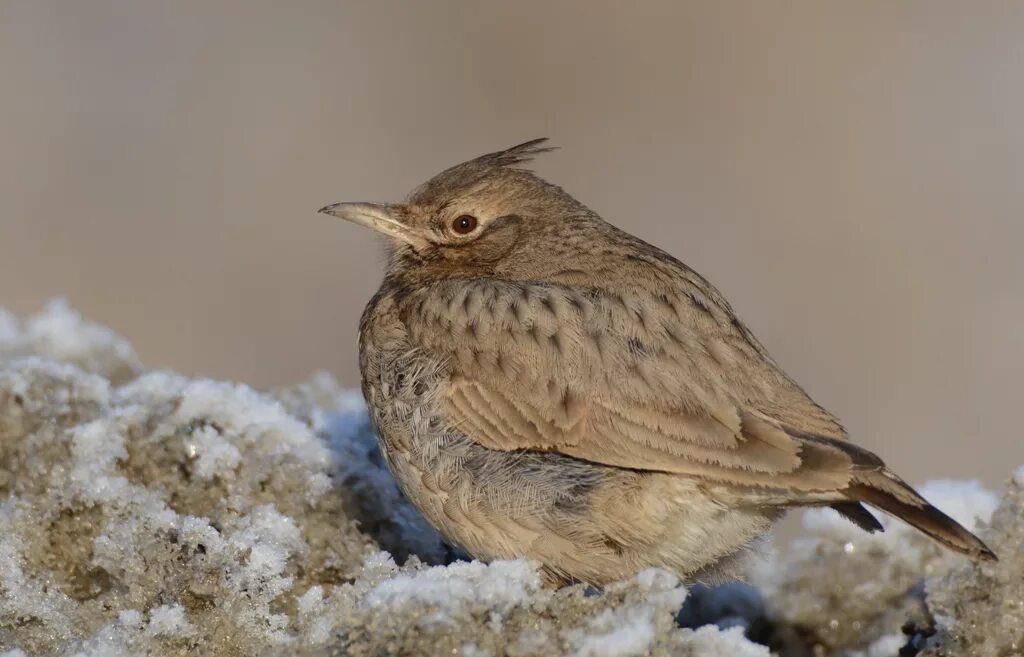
[{"x": 667, "y": 382}]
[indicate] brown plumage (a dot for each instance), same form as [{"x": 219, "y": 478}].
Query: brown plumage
[{"x": 546, "y": 385}]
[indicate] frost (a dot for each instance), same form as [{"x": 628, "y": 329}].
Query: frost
[
  {"x": 500, "y": 586},
  {"x": 613, "y": 634},
  {"x": 149, "y": 513},
  {"x": 629, "y": 629},
  {"x": 168, "y": 621},
  {"x": 709, "y": 640}
]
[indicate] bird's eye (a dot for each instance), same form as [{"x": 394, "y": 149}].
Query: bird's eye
[{"x": 464, "y": 224}]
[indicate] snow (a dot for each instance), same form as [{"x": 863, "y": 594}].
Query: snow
[
  {"x": 886, "y": 646},
  {"x": 709, "y": 640},
  {"x": 150, "y": 513},
  {"x": 625, "y": 637},
  {"x": 60, "y": 334},
  {"x": 168, "y": 621},
  {"x": 500, "y": 586}
]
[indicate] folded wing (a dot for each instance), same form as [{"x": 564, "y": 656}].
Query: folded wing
[{"x": 667, "y": 382}]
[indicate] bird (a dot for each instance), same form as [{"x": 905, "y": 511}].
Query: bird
[{"x": 544, "y": 385}]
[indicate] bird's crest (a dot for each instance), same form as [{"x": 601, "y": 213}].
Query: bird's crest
[
  {"x": 445, "y": 184},
  {"x": 520, "y": 154}
]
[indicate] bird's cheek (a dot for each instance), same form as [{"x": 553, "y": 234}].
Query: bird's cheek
[{"x": 497, "y": 241}]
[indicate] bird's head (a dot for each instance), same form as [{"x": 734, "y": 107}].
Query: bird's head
[{"x": 472, "y": 217}]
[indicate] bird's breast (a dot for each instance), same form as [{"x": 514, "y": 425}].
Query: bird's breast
[{"x": 400, "y": 382}]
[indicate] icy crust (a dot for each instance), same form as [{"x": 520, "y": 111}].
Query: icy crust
[{"x": 144, "y": 513}]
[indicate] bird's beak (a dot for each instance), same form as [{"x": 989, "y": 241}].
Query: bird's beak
[{"x": 379, "y": 217}]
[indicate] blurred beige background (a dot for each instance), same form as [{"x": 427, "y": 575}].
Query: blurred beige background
[{"x": 849, "y": 174}]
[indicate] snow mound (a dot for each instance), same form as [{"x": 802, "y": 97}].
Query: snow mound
[{"x": 148, "y": 513}]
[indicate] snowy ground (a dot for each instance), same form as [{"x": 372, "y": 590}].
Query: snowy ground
[{"x": 147, "y": 513}]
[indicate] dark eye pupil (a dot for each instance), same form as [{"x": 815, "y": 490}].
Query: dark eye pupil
[{"x": 465, "y": 224}]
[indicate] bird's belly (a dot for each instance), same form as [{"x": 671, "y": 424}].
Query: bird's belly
[{"x": 582, "y": 521}]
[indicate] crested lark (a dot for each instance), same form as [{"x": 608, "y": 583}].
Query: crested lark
[{"x": 545, "y": 385}]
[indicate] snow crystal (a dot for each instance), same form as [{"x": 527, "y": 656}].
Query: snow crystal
[
  {"x": 95, "y": 448},
  {"x": 709, "y": 640},
  {"x": 130, "y": 618},
  {"x": 168, "y": 620},
  {"x": 213, "y": 454},
  {"x": 499, "y": 585},
  {"x": 239, "y": 409},
  {"x": 625, "y": 637}
]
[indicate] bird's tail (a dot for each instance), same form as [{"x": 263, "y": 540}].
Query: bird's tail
[
  {"x": 871, "y": 482},
  {"x": 883, "y": 489}
]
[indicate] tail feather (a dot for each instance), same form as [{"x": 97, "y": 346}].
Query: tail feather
[
  {"x": 858, "y": 515},
  {"x": 875, "y": 484},
  {"x": 882, "y": 489}
]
